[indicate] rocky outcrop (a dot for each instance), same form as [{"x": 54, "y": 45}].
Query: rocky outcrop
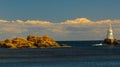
[
  {"x": 31, "y": 42},
  {"x": 111, "y": 42},
  {"x": 44, "y": 41}
]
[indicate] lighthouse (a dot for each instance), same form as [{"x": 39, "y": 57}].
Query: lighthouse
[
  {"x": 110, "y": 33},
  {"x": 110, "y": 40}
]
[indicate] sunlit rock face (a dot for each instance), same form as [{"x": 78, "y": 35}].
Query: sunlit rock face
[
  {"x": 31, "y": 42},
  {"x": 42, "y": 41}
]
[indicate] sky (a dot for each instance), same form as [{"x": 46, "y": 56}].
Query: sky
[{"x": 61, "y": 19}]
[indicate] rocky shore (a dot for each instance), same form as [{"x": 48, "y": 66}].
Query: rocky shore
[{"x": 30, "y": 42}]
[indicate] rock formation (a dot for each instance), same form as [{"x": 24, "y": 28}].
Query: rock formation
[
  {"x": 44, "y": 41},
  {"x": 31, "y": 42},
  {"x": 109, "y": 42}
]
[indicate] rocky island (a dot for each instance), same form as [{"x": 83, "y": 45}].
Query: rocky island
[
  {"x": 30, "y": 42},
  {"x": 110, "y": 40}
]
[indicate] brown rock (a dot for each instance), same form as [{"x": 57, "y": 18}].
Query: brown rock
[{"x": 31, "y": 42}]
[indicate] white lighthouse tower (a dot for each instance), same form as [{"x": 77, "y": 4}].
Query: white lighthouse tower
[
  {"x": 110, "y": 40},
  {"x": 110, "y": 33}
]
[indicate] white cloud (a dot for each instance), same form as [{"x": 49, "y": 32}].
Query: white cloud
[
  {"x": 19, "y": 21},
  {"x": 37, "y": 22},
  {"x": 3, "y": 21},
  {"x": 78, "y": 21},
  {"x": 87, "y": 21},
  {"x": 78, "y": 29}
]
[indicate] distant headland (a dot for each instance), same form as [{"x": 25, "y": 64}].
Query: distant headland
[{"x": 31, "y": 41}]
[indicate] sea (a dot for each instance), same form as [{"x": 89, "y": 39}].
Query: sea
[{"x": 81, "y": 54}]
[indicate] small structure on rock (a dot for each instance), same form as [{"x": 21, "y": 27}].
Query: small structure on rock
[{"x": 110, "y": 40}]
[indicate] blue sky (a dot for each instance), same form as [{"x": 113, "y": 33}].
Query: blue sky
[
  {"x": 59, "y": 10},
  {"x": 60, "y": 19}
]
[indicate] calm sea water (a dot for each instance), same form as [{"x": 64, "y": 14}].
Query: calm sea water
[{"x": 82, "y": 54}]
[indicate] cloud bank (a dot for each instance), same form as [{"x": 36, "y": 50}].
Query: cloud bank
[{"x": 77, "y": 29}]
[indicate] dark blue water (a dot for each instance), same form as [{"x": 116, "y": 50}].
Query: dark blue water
[
  {"x": 80, "y": 43},
  {"x": 82, "y": 54}
]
